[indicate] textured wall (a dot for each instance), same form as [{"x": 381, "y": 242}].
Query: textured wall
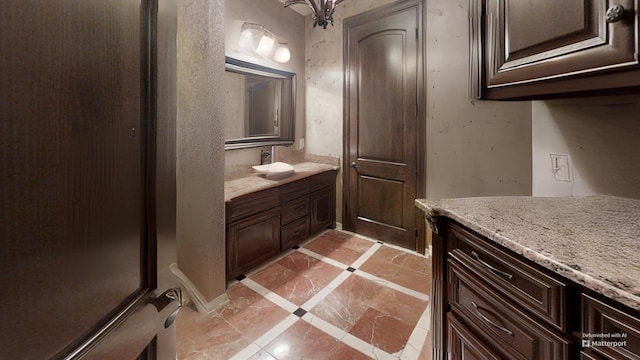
[
  {"x": 324, "y": 70},
  {"x": 200, "y": 145},
  {"x": 600, "y": 135},
  {"x": 285, "y": 24},
  {"x": 474, "y": 148}
]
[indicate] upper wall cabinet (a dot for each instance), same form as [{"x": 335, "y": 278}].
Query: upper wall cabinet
[{"x": 550, "y": 48}]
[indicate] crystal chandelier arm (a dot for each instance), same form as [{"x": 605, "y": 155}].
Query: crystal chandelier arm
[
  {"x": 330, "y": 16},
  {"x": 322, "y": 13},
  {"x": 310, "y": 4}
]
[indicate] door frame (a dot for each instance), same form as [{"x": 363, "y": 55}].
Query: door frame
[{"x": 421, "y": 123}]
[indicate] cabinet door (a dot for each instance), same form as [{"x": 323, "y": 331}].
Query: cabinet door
[
  {"x": 621, "y": 328},
  {"x": 323, "y": 212},
  {"x": 251, "y": 241},
  {"x": 463, "y": 344},
  {"x": 547, "y": 47}
]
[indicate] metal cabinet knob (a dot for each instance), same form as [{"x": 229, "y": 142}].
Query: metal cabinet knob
[
  {"x": 354, "y": 165},
  {"x": 615, "y": 13}
]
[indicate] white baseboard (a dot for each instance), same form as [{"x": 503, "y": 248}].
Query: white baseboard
[{"x": 202, "y": 305}]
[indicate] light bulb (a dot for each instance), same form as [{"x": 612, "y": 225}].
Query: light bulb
[
  {"x": 282, "y": 54},
  {"x": 265, "y": 47}
]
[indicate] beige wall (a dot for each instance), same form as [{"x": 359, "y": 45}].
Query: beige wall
[
  {"x": 200, "y": 145},
  {"x": 602, "y": 138},
  {"x": 474, "y": 148},
  {"x": 285, "y": 24}
]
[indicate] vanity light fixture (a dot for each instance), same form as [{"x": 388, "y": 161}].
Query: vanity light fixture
[
  {"x": 255, "y": 39},
  {"x": 282, "y": 53},
  {"x": 322, "y": 12}
]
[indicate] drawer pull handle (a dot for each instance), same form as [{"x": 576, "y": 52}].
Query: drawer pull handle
[
  {"x": 488, "y": 321},
  {"x": 488, "y": 266}
]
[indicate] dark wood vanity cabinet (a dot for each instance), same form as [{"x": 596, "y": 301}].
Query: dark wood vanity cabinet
[
  {"x": 547, "y": 48},
  {"x": 251, "y": 241},
  {"x": 263, "y": 224},
  {"x": 490, "y": 303},
  {"x": 322, "y": 198}
]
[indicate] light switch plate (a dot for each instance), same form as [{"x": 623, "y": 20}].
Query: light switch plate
[{"x": 560, "y": 167}]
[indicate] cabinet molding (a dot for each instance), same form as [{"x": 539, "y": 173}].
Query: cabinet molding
[
  {"x": 549, "y": 48},
  {"x": 481, "y": 314}
]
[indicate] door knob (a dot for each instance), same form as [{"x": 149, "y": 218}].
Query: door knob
[
  {"x": 354, "y": 165},
  {"x": 615, "y": 13},
  {"x": 166, "y": 298}
]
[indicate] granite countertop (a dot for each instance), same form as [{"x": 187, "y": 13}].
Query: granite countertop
[
  {"x": 593, "y": 241},
  {"x": 254, "y": 182}
]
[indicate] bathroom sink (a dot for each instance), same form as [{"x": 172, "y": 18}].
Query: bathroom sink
[{"x": 275, "y": 171}]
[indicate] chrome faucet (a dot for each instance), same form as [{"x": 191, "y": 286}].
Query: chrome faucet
[{"x": 264, "y": 155}]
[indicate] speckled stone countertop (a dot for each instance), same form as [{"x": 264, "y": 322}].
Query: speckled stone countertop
[
  {"x": 255, "y": 182},
  {"x": 594, "y": 241}
]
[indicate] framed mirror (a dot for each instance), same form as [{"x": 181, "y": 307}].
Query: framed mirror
[{"x": 259, "y": 105}]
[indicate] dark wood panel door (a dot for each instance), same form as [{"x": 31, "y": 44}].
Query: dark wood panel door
[
  {"x": 77, "y": 181},
  {"x": 522, "y": 48},
  {"x": 381, "y": 90}
]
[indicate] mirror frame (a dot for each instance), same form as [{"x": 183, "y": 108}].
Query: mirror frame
[{"x": 287, "y": 117}]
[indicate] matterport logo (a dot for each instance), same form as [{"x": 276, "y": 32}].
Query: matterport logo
[{"x": 604, "y": 340}]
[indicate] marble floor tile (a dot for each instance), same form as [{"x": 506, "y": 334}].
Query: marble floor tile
[
  {"x": 401, "y": 306},
  {"x": 334, "y": 249},
  {"x": 413, "y": 280},
  {"x": 349, "y": 241},
  {"x": 272, "y": 276},
  {"x": 207, "y": 337},
  {"x": 380, "y": 268},
  {"x": 382, "y": 331},
  {"x": 240, "y": 297},
  {"x": 346, "y": 304},
  {"x": 256, "y": 319},
  {"x": 302, "y": 341},
  {"x": 299, "y": 289},
  {"x": 418, "y": 263},
  {"x": 297, "y": 262},
  {"x": 391, "y": 255},
  {"x": 308, "y": 305},
  {"x": 262, "y": 355}
]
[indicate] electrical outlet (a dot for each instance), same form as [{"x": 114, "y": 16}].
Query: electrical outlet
[
  {"x": 301, "y": 144},
  {"x": 560, "y": 167}
]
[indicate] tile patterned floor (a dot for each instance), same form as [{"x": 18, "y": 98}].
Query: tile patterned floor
[{"x": 338, "y": 296}]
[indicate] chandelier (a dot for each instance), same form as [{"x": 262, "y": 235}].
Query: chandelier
[{"x": 322, "y": 13}]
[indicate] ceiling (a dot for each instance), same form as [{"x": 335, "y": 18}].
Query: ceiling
[{"x": 300, "y": 9}]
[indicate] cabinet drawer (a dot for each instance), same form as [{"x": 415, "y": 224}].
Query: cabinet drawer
[
  {"x": 463, "y": 344},
  {"x": 523, "y": 284},
  {"x": 295, "y": 209},
  {"x": 321, "y": 180},
  {"x": 295, "y": 232},
  {"x": 294, "y": 190},
  {"x": 498, "y": 321},
  {"x": 251, "y": 204},
  {"x": 588, "y": 355},
  {"x": 600, "y": 318}
]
